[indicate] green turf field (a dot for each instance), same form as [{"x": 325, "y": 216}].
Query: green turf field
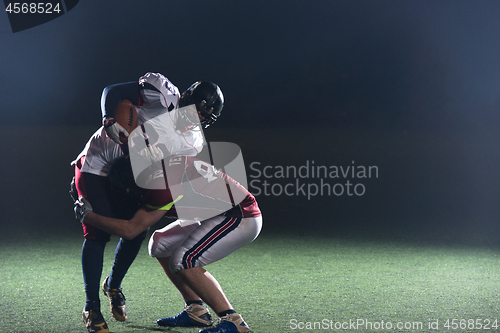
[{"x": 282, "y": 284}]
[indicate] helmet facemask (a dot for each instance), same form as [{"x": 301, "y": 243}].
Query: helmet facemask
[
  {"x": 208, "y": 100},
  {"x": 208, "y": 114},
  {"x": 188, "y": 118}
]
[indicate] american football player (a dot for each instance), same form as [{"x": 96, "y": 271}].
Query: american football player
[
  {"x": 183, "y": 248},
  {"x": 179, "y": 133}
]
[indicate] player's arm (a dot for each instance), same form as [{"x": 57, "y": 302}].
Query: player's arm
[
  {"x": 111, "y": 97},
  {"x": 127, "y": 229},
  {"x": 114, "y": 94}
]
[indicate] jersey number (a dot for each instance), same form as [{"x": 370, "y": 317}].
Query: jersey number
[{"x": 206, "y": 170}]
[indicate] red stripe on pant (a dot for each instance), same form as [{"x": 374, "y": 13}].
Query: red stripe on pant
[{"x": 207, "y": 242}]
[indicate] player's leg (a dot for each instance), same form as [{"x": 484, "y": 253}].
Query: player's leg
[
  {"x": 123, "y": 206},
  {"x": 161, "y": 245},
  {"x": 95, "y": 239},
  {"x": 125, "y": 254},
  {"x": 187, "y": 293},
  {"x": 205, "y": 285},
  {"x": 213, "y": 240},
  {"x": 202, "y": 283},
  {"x": 92, "y": 262},
  {"x": 90, "y": 186}
]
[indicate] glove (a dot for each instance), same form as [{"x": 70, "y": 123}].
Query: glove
[
  {"x": 82, "y": 208},
  {"x": 113, "y": 130},
  {"x": 152, "y": 153},
  {"x": 73, "y": 193}
]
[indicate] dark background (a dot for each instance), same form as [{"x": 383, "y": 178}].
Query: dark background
[{"x": 412, "y": 87}]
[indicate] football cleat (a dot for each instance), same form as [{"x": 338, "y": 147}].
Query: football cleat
[
  {"x": 94, "y": 321},
  {"x": 194, "y": 315},
  {"x": 116, "y": 301},
  {"x": 231, "y": 323}
]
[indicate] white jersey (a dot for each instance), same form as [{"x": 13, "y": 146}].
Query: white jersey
[
  {"x": 160, "y": 123},
  {"x": 161, "y": 132},
  {"x": 100, "y": 151}
]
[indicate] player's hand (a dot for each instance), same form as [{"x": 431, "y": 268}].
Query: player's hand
[
  {"x": 72, "y": 190},
  {"x": 152, "y": 153},
  {"x": 113, "y": 129},
  {"x": 82, "y": 208}
]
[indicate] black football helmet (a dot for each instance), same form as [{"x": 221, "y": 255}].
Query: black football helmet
[{"x": 208, "y": 99}]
